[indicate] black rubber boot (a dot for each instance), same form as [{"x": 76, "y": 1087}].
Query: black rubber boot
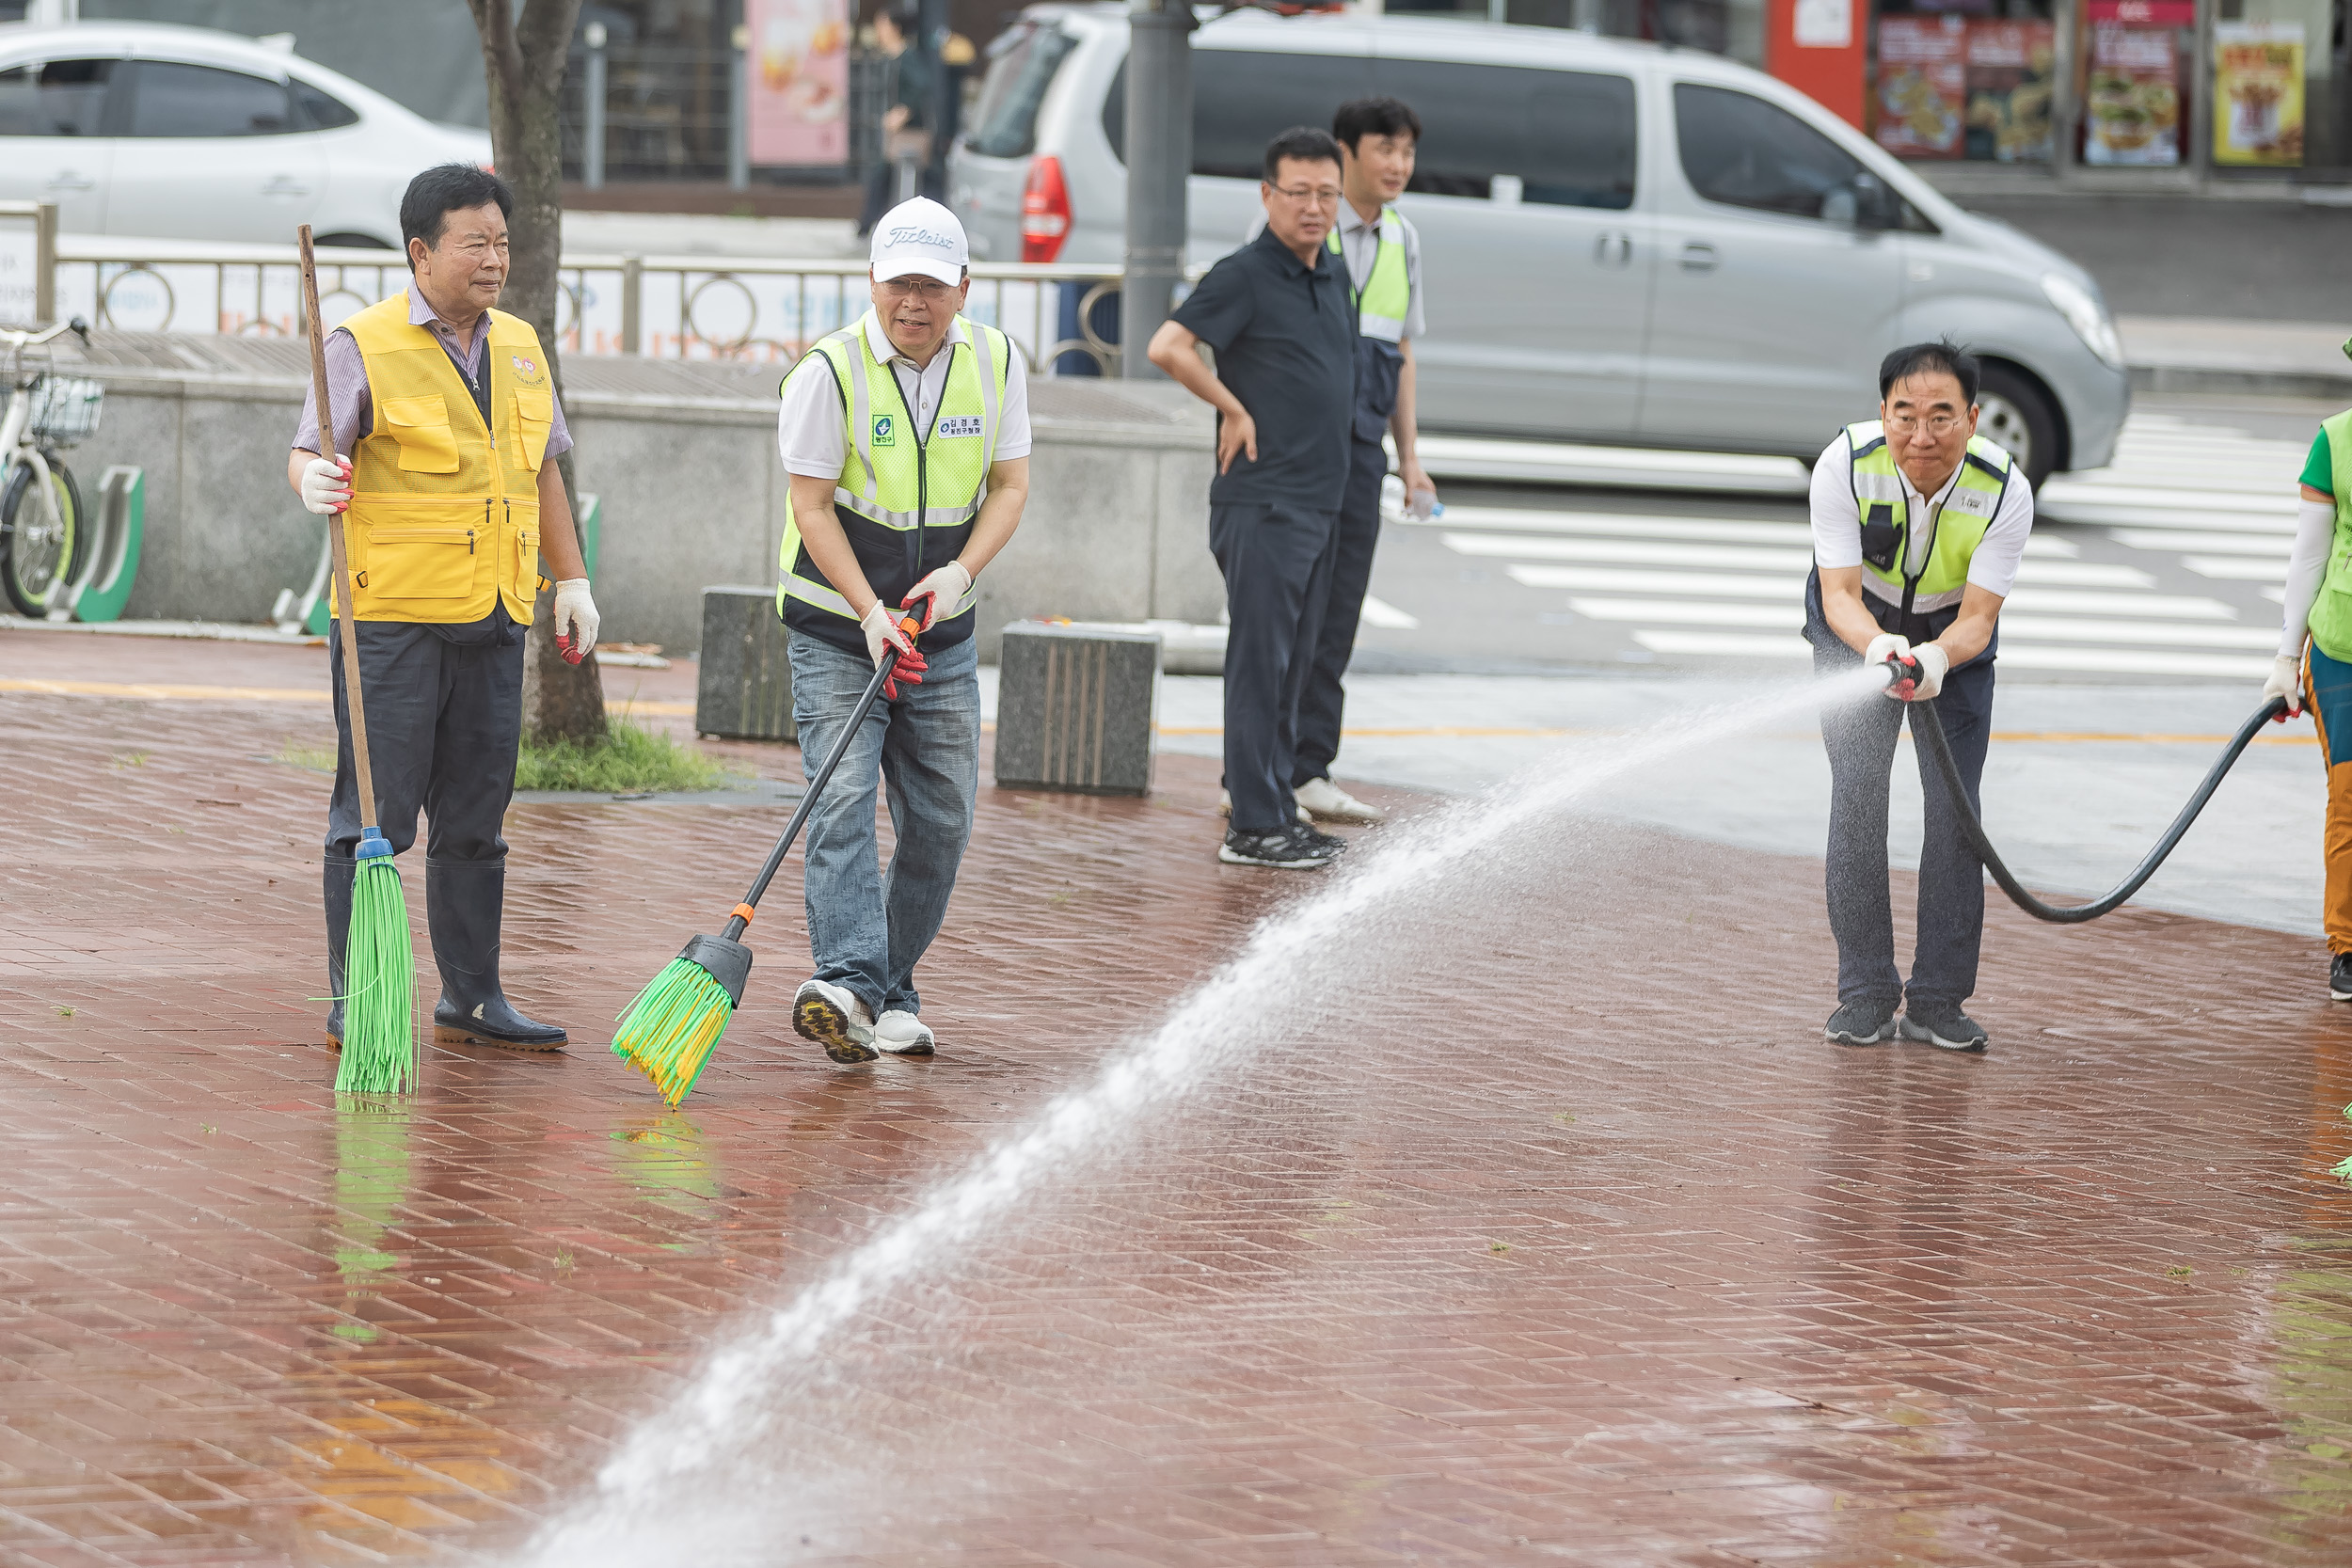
[
  {"x": 464, "y": 901},
  {"x": 336, "y": 891}
]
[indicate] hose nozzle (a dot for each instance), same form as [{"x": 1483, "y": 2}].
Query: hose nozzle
[{"x": 1903, "y": 676}]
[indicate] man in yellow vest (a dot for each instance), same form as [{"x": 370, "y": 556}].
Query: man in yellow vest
[
  {"x": 1919, "y": 526},
  {"x": 905, "y": 437},
  {"x": 445, "y": 440},
  {"x": 2318, "y": 604}
]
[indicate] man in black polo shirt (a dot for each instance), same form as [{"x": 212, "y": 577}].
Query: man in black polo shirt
[{"x": 1277, "y": 314}]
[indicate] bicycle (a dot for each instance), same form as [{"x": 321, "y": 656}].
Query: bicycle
[{"x": 43, "y": 545}]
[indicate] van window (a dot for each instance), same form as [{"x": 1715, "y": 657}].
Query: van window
[
  {"x": 1738, "y": 150},
  {"x": 62, "y": 98},
  {"x": 1243, "y": 99},
  {"x": 1567, "y": 137},
  {"x": 1022, "y": 63}
]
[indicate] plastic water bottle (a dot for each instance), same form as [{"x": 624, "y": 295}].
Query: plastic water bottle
[{"x": 1395, "y": 505}]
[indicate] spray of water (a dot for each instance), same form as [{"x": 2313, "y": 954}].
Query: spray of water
[{"x": 724, "y": 1410}]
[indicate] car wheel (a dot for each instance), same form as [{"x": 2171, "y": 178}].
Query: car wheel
[
  {"x": 355, "y": 242},
  {"x": 2018, "y": 419}
]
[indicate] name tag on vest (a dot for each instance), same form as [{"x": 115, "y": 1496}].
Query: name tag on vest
[
  {"x": 960, "y": 424},
  {"x": 1976, "y": 503}
]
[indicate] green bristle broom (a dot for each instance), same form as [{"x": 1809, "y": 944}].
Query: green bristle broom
[
  {"x": 669, "y": 1032},
  {"x": 379, "y": 959}
]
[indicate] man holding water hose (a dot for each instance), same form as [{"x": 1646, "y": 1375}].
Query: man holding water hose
[
  {"x": 1918, "y": 525},
  {"x": 2318, "y": 603}
]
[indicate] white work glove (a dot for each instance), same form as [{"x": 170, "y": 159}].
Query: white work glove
[
  {"x": 2286, "y": 680},
  {"x": 1934, "y": 663},
  {"x": 883, "y": 633},
  {"x": 939, "y": 593},
  {"x": 326, "y": 484},
  {"x": 574, "y": 610},
  {"x": 1887, "y": 646}
]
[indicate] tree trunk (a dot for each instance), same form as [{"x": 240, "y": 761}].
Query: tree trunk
[{"x": 524, "y": 57}]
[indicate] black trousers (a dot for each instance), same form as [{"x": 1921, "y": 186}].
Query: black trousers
[
  {"x": 1322, "y": 702},
  {"x": 1861, "y": 737},
  {"x": 445, "y": 717},
  {"x": 1277, "y": 560}
]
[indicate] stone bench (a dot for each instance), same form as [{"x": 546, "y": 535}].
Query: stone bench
[{"x": 1077, "y": 707}]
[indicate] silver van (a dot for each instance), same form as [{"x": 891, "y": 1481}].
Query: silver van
[{"x": 1622, "y": 242}]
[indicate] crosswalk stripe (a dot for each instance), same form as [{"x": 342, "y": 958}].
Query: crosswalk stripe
[
  {"x": 1733, "y": 645},
  {"x": 1646, "y": 525},
  {"x": 2061, "y": 493},
  {"x": 2236, "y": 568},
  {"x": 2131, "y": 516},
  {"x": 1472, "y": 457},
  {"x": 2028, "y": 627},
  {"x": 1634, "y": 552},
  {"x": 1379, "y": 612},
  {"x": 2265, "y": 543},
  {"x": 1726, "y": 585}
]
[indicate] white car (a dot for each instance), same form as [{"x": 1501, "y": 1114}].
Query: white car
[{"x": 186, "y": 134}]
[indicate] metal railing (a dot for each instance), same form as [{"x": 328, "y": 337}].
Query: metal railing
[{"x": 749, "y": 308}]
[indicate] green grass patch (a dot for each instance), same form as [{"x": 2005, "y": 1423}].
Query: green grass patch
[
  {"x": 318, "y": 756},
  {"x": 629, "y": 760}
]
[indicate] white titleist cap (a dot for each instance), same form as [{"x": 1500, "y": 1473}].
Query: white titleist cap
[{"x": 919, "y": 239}]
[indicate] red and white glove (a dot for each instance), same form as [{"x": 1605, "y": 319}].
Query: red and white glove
[
  {"x": 1934, "y": 663},
  {"x": 939, "y": 593},
  {"x": 883, "y": 633},
  {"x": 575, "y": 612},
  {"x": 326, "y": 484},
  {"x": 2286, "y": 680}
]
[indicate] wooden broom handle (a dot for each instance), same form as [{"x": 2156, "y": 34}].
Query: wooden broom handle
[{"x": 368, "y": 815}]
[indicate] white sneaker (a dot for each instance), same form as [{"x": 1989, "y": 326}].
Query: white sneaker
[
  {"x": 1225, "y": 806},
  {"x": 1327, "y": 802},
  {"x": 835, "y": 1018},
  {"x": 902, "y": 1034}
]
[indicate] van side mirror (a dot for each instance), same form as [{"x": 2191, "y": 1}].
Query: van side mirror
[{"x": 1863, "y": 203}]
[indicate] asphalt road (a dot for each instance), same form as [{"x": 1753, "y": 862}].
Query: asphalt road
[{"x": 2166, "y": 256}]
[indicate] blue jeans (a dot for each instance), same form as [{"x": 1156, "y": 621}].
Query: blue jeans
[{"x": 867, "y": 930}]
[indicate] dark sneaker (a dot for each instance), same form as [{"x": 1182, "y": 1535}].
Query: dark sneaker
[
  {"x": 1334, "y": 843},
  {"x": 1289, "y": 851},
  {"x": 1861, "y": 1023},
  {"x": 2340, "y": 978},
  {"x": 1946, "y": 1027}
]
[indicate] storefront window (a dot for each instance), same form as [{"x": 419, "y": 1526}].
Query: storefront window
[{"x": 1964, "y": 79}]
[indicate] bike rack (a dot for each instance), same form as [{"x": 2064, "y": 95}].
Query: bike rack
[
  {"x": 312, "y": 611},
  {"x": 102, "y": 588}
]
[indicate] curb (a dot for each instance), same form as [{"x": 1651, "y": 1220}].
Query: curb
[{"x": 2275, "y": 384}]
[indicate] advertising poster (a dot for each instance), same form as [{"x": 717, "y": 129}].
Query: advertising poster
[
  {"x": 1923, "y": 85},
  {"x": 798, "y": 107},
  {"x": 2010, "y": 66},
  {"x": 2132, "y": 107},
  {"x": 2257, "y": 93}
]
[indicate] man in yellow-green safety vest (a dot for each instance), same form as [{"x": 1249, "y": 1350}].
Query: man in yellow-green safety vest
[
  {"x": 906, "y": 439},
  {"x": 1378, "y": 138},
  {"x": 1919, "y": 526},
  {"x": 2318, "y": 604}
]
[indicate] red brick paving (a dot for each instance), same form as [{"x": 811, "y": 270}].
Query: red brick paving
[{"x": 1556, "y": 1235}]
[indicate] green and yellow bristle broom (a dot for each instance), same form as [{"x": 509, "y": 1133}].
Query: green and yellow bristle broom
[
  {"x": 669, "y": 1032},
  {"x": 379, "y": 1042}
]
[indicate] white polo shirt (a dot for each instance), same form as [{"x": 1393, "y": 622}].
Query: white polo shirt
[
  {"x": 1837, "y": 530},
  {"x": 812, "y": 435}
]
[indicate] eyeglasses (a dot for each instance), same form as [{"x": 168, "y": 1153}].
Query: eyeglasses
[
  {"x": 1939, "y": 427},
  {"x": 921, "y": 288},
  {"x": 1308, "y": 196}
]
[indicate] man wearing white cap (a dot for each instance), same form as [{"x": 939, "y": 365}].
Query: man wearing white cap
[{"x": 906, "y": 439}]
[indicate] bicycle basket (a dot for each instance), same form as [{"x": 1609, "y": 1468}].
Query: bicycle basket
[{"x": 66, "y": 407}]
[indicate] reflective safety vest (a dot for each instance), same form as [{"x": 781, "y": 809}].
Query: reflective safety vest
[
  {"x": 2331, "y": 606},
  {"x": 444, "y": 518},
  {"x": 1953, "y": 534},
  {"x": 907, "y": 497},
  {"x": 1387, "y": 294}
]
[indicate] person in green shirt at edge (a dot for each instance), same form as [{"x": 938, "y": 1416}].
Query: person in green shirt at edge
[{"x": 2318, "y": 603}]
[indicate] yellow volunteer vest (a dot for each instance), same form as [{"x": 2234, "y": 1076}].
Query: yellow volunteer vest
[
  {"x": 444, "y": 519},
  {"x": 1954, "y": 534},
  {"x": 2331, "y": 606}
]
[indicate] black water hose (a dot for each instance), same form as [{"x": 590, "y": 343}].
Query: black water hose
[{"x": 2074, "y": 914}]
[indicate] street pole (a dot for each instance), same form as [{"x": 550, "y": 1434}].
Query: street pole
[
  {"x": 1159, "y": 160},
  {"x": 738, "y": 109},
  {"x": 592, "y": 153}
]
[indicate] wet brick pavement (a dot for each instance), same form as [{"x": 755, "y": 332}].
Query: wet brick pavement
[{"x": 1556, "y": 1234}]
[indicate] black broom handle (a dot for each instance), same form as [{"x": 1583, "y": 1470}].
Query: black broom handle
[{"x": 889, "y": 666}]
